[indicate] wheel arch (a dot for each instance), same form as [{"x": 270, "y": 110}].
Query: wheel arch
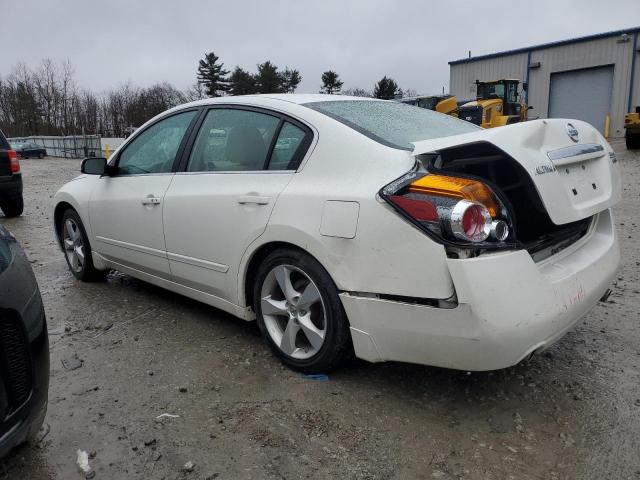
[
  {"x": 64, "y": 202},
  {"x": 256, "y": 257},
  {"x": 58, "y": 212}
]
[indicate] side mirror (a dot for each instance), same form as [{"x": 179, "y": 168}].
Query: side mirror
[
  {"x": 529, "y": 107},
  {"x": 94, "y": 166},
  {"x": 524, "y": 86}
]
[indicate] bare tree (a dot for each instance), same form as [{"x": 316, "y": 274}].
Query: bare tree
[
  {"x": 357, "y": 92},
  {"x": 46, "y": 82},
  {"x": 195, "y": 92}
]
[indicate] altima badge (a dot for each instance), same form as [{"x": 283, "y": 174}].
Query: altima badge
[
  {"x": 572, "y": 132},
  {"x": 542, "y": 169}
]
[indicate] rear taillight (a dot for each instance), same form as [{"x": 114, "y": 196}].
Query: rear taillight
[
  {"x": 455, "y": 210},
  {"x": 13, "y": 161},
  {"x": 470, "y": 221}
]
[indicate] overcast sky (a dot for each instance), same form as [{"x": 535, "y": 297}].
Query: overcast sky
[{"x": 114, "y": 41}]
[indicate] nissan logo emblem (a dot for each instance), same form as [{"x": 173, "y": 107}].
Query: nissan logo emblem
[{"x": 572, "y": 132}]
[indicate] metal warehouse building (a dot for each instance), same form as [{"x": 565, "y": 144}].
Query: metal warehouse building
[{"x": 588, "y": 78}]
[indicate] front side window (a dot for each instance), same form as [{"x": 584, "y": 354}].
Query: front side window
[
  {"x": 393, "y": 124},
  {"x": 232, "y": 140},
  {"x": 155, "y": 149}
]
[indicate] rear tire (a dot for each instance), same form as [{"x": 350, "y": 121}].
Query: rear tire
[
  {"x": 12, "y": 207},
  {"x": 77, "y": 249},
  {"x": 632, "y": 140},
  {"x": 41, "y": 155},
  {"x": 307, "y": 327}
]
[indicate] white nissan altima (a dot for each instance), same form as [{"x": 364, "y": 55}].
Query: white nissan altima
[{"x": 357, "y": 226}]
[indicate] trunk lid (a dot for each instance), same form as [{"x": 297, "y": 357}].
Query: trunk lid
[{"x": 575, "y": 179}]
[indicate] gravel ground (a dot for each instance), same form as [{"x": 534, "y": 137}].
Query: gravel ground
[{"x": 572, "y": 412}]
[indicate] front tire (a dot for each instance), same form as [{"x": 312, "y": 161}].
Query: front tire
[
  {"x": 12, "y": 207},
  {"x": 632, "y": 140},
  {"x": 41, "y": 155},
  {"x": 300, "y": 314},
  {"x": 77, "y": 249}
]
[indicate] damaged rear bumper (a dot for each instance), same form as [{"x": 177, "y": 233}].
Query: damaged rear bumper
[{"x": 509, "y": 307}]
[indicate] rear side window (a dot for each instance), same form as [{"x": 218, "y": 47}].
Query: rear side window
[
  {"x": 289, "y": 148},
  {"x": 393, "y": 124},
  {"x": 232, "y": 140}
]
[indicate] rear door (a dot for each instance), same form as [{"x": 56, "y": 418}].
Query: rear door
[
  {"x": 125, "y": 209},
  {"x": 240, "y": 161}
]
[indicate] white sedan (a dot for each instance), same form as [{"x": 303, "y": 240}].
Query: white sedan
[{"x": 357, "y": 226}]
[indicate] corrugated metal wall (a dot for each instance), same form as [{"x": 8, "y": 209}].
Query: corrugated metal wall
[
  {"x": 590, "y": 53},
  {"x": 463, "y": 75}
]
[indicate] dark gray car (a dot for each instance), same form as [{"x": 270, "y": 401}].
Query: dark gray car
[
  {"x": 24, "y": 348},
  {"x": 30, "y": 150}
]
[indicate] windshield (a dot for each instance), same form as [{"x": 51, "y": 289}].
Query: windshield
[
  {"x": 490, "y": 90},
  {"x": 392, "y": 124}
]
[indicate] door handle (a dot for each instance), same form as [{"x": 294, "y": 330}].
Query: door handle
[
  {"x": 151, "y": 201},
  {"x": 253, "y": 199}
]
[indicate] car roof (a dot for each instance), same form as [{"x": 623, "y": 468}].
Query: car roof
[{"x": 297, "y": 98}]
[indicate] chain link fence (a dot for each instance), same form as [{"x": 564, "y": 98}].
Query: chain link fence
[{"x": 73, "y": 146}]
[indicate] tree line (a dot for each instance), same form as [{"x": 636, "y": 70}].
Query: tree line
[
  {"x": 47, "y": 100},
  {"x": 217, "y": 82}
]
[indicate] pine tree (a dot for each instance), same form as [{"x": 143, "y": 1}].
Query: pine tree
[
  {"x": 387, "y": 89},
  {"x": 268, "y": 79},
  {"x": 212, "y": 75},
  {"x": 242, "y": 82},
  {"x": 289, "y": 80},
  {"x": 331, "y": 82}
]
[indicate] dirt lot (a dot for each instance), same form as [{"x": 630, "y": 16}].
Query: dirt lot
[{"x": 573, "y": 412}]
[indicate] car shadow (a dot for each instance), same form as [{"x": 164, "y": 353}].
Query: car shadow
[{"x": 546, "y": 379}]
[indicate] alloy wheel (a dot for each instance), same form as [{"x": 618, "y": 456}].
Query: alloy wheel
[
  {"x": 293, "y": 311},
  {"x": 73, "y": 245}
]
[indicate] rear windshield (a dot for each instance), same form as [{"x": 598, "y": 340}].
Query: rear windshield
[{"x": 393, "y": 124}]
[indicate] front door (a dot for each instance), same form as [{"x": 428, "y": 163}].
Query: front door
[
  {"x": 125, "y": 210},
  {"x": 240, "y": 162}
]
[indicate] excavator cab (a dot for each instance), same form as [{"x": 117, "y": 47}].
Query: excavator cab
[
  {"x": 497, "y": 103},
  {"x": 505, "y": 90}
]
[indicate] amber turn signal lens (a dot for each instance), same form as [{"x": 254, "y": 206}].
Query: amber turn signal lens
[{"x": 454, "y": 187}]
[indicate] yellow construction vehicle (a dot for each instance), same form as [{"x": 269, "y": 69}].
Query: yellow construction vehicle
[
  {"x": 497, "y": 103},
  {"x": 632, "y": 129},
  {"x": 446, "y": 104}
]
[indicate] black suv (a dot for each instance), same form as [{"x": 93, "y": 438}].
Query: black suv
[
  {"x": 11, "y": 202},
  {"x": 24, "y": 348}
]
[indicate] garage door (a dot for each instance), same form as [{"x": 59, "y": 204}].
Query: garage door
[{"x": 582, "y": 94}]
